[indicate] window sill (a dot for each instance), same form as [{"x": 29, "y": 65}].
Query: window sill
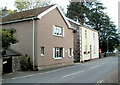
[
  {"x": 42, "y": 55},
  {"x": 70, "y": 56},
  {"x": 58, "y": 58},
  {"x": 59, "y": 36}
]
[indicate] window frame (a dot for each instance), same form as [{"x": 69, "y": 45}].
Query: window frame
[
  {"x": 85, "y": 33},
  {"x": 70, "y": 52},
  {"x": 42, "y": 53},
  {"x": 57, "y": 27},
  {"x": 56, "y": 51}
]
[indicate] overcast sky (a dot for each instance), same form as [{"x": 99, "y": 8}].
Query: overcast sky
[{"x": 112, "y": 6}]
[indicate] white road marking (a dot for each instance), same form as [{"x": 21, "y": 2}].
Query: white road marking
[
  {"x": 41, "y": 73},
  {"x": 99, "y": 82},
  {"x": 72, "y": 74},
  {"x": 53, "y": 71},
  {"x": 94, "y": 66}
]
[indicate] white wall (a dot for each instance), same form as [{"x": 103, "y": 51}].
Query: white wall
[{"x": 89, "y": 40}]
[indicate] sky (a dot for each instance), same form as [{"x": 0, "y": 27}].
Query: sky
[{"x": 112, "y": 6}]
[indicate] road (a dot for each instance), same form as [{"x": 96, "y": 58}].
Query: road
[{"x": 96, "y": 71}]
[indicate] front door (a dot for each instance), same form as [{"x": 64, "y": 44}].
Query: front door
[{"x": 90, "y": 52}]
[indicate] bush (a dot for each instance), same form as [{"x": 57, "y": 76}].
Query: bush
[{"x": 26, "y": 63}]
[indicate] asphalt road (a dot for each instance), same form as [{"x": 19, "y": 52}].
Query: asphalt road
[{"x": 96, "y": 71}]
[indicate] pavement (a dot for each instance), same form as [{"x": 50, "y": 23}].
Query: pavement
[{"x": 96, "y": 71}]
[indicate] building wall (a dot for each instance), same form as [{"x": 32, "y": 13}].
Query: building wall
[
  {"x": 47, "y": 40},
  {"x": 89, "y": 44},
  {"x": 43, "y": 38},
  {"x": 76, "y": 37},
  {"x": 24, "y": 35},
  {"x": 16, "y": 63}
]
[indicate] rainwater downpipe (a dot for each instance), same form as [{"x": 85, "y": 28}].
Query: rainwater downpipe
[{"x": 33, "y": 46}]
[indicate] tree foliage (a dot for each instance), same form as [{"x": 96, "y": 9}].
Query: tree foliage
[
  {"x": 78, "y": 11},
  {"x": 7, "y": 38},
  {"x": 5, "y": 11},
  {"x": 92, "y": 14},
  {"x": 30, "y": 4}
]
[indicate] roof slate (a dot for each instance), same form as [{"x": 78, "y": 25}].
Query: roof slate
[{"x": 25, "y": 14}]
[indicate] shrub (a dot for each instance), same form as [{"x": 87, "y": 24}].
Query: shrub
[{"x": 26, "y": 63}]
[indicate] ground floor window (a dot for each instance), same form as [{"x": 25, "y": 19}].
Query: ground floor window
[
  {"x": 70, "y": 52},
  {"x": 58, "y": 52},
  {"x": 42, "y": 51}
]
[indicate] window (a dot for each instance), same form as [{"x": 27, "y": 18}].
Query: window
[
  {"x": 58, "y": 53},
  {"x": 58, "y": 31},
  {"x": 70, "y": 52},
  {"x": 94, "y": 42},
  {"x": 85, "y": 47},
  {"x": 85, "y": 33},
  {"x": 93, "y": 36},
  {"x": 42, "y": 51},
  {"x": 94, "y": 49}
]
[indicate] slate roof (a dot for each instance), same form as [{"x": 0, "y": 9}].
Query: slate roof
[
  {"x": 10, "y": 52},
  {"x": 25, "y": 14}
]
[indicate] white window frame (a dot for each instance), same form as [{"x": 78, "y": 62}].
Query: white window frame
[
  {"x": 61, "y": 57},
  {"x": 69, "y": 52},
  {"x": 57, "y": 27},
  {"x": 94, "y": 43},
  {"x": 85, "y": 33},
  {"x": 42, "y": 54}
]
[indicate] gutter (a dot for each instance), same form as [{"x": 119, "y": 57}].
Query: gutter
[{"x": 20, "y": 20}]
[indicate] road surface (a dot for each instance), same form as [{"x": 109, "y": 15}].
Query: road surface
[{"x": 97, "y": 71}]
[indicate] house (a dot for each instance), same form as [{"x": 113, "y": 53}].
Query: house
[
  {"x": 86, "y": 42},
  {"x": 44, "y": 34}
]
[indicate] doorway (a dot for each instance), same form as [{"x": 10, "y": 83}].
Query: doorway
[{"x": 90, "y": 52}]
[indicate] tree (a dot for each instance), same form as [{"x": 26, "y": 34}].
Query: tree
[
  {"x": 30, "y": 4},
  {"x": 5, "y": 12},
  {"x": 7, "y": 37},
  {"x": 92, "y": 14},
  {"x": 77, "y": 10},
  {"x": 95, "y": 15}
]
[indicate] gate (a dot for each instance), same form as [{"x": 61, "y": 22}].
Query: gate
[{"x": 7, "y": 65}]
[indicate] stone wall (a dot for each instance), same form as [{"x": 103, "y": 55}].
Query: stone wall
[{"x": 16, "y": 63}]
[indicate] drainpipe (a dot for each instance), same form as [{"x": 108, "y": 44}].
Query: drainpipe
[
  {"x": 33, "y": 44},
  {"x": 81, "y": 44}
]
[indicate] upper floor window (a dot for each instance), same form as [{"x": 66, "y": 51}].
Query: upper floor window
[
  {"x": 93, "y": 36},
  {"x": 57, "y": 30},
  {"x": 85, "y": 33}
]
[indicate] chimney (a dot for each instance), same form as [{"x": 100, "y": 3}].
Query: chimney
[{"x": 5, "y": 12}]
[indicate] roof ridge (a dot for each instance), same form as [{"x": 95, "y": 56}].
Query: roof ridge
[
  {"x": 35, "y": 8},
  {"x": 26, "y": 14}
]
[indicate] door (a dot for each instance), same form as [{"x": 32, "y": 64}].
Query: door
[
  {"x": 90, "y": 52},
  {"x": 7, "y": 65}
]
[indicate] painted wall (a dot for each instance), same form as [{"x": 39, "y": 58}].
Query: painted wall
[
  {"x": 24, "y": 34},
  {"x": 43, "y": 38},
  {"x": 89, "y": 44},
  {"x": 47, "y": 40}
]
